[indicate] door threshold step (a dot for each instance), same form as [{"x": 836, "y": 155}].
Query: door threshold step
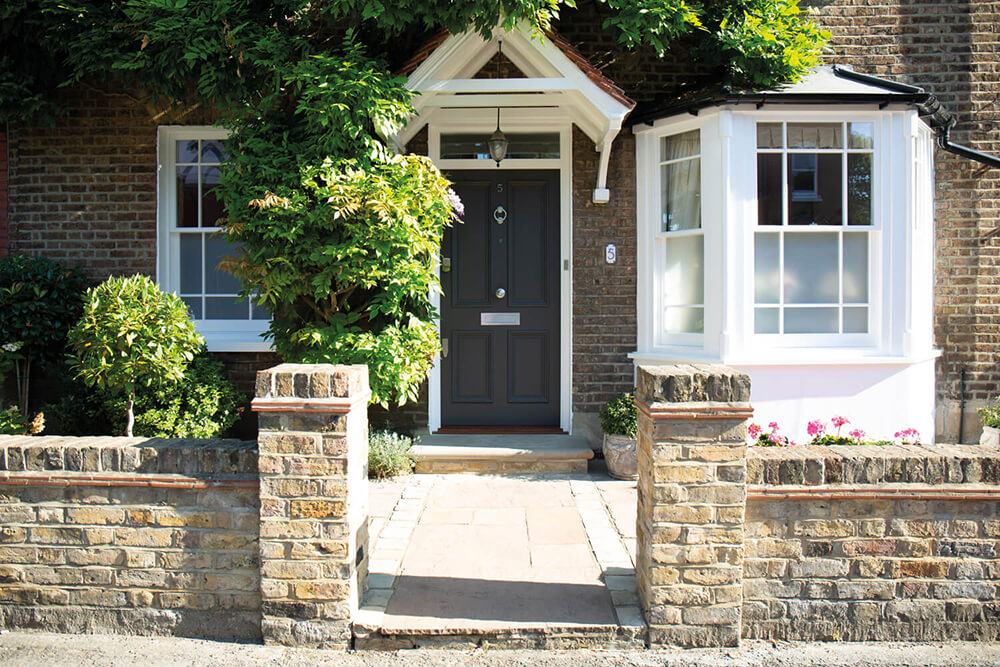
[
  {"x": 501, "y": 454},
  {"x": 513, "y": 636}
]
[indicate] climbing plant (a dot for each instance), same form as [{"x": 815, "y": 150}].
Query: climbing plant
[{"x": 337, "y": 234}]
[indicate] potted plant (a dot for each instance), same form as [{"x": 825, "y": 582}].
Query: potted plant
[
  {"x": 618, "y": 421},
  {"x": 990, "y": 417}
]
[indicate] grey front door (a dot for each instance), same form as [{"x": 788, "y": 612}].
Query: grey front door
[{"x": 500, "y": 309}]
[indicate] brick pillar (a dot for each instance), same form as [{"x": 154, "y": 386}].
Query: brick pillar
[
  {"x": 313, "y": 459},
  {"x": 692, "y": 496}
]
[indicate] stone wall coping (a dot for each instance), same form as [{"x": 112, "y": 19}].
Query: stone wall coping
[
  {"x": 167, "y": 481},
  {"x": 312, "y": 381},
  {"x": 810, "y": 465},
  {"x": 695, "y": 410},
  {"x": 292, "y": 404},
  {"x": 108, "y": 454}
]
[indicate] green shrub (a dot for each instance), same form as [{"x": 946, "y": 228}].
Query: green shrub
[
  {"x": 619, "y": 416},
  {"x": 39, "y": 301},
  {"x": 203, "y": 404},
  {"x": 132, "y": 335},
  {"x": 12, "y": 422},
  {"x": 389, "y": 454}
]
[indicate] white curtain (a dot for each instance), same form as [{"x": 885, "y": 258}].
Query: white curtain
[{"x": 681, "y": 181}]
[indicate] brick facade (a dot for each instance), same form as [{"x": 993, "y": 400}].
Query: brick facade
[
  {"x": 83, "y": 191},
  {"x": 4, "y": 198}
]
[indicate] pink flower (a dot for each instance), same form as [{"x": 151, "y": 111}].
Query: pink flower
[
  {"x": 773, "y": 426},
  {"x": 754, "y": 431},
  {"x": 908, "y": 436},
  {"x": 858, "y": 434},
  {"x": 839, "y": 421},
  {"x": 816, "y": 428}
]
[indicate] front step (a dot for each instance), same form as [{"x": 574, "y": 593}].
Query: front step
[
  {"x": 543, "y": 636},
  {"x": 499, "y": 454}
]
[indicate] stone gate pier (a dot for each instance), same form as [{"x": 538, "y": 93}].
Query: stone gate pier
[{"x": 691, "y": 502}]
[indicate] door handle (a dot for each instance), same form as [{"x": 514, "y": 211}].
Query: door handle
[
  {"x": 444, "y": 348},
  {"x": 501, "y": 292}
]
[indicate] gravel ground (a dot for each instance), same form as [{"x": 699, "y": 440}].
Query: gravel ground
[{"x": 28, "y": 648}]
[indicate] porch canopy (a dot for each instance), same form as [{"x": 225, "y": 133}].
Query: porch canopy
[{"x": 559, "y": 84}]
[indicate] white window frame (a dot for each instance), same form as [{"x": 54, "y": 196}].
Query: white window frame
[
  {"x": 900, "y": 241},
  {"x": 220, "y": 335},
  {"x": 867, "y": 340}
]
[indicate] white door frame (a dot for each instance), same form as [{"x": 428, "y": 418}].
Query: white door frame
[{"x": 516, "y": 120}]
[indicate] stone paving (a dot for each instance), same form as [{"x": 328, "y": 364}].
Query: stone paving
[{"x": 466, "y": 554}]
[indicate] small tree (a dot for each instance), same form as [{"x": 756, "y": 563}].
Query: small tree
[{"x": 131, "y": 334}]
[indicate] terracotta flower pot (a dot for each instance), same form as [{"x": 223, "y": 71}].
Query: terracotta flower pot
[{"x": 622, "y": 456}]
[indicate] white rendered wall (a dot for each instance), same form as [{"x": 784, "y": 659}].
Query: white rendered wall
[{"x": 879, "y": 399}]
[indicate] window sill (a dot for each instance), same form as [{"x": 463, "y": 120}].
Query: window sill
[
  {"x": 232, "y": 340},
  {"x": 800, "y": 357}
]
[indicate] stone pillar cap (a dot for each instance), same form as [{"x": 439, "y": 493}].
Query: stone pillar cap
[{"x": 691, "y": 383}]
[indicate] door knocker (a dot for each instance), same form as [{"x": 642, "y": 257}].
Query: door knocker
[{"x": 500, "y": 214}]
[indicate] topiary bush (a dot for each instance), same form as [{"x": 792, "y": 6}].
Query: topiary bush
[
  {"x": 39, "y": 301},
  {"x": 132, "y": 335},
  {"x": 619, "y": 416},
  {"x": 389, "y": 454}
]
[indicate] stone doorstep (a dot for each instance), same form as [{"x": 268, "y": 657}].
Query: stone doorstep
[{"x": 516, "y": 454}]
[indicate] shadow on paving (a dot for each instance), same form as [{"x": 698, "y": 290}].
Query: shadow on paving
[{"x": 421, "y": 601}]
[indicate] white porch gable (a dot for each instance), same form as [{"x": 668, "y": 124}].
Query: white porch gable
[{"x": 553, "y": 82}]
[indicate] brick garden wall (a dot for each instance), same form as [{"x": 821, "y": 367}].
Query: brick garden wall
[
  {"x": 130, "y": 536},
  {"x": 4, "y": 197},
  {"x": 872, "y": 543}
]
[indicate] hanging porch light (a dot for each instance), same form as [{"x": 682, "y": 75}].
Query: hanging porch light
[{"x": 498, "y": 140}]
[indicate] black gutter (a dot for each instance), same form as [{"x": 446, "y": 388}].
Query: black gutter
[{"x": 930, "y": 108}]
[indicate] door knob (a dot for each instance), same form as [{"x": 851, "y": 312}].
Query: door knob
[{"x": 501, "y": 292}]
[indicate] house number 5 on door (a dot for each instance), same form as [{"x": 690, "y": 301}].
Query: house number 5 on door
[{"x": 610, "y": 253}]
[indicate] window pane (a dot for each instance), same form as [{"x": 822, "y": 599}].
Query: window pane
[
  {"x": 677, "y": 146},
  {"x": 684, "y": 278},
  {"x": 765, "y": 320},
  {"x": 211, "y": 206},
  {"x": 187, "y": 196},
  {"x": 860, "y": 135},
  {"x": 225, "y": 308},
  {"x": 814, "y": 187},
  {"x": 194, "y": 306},
  {"x": 856, "y": 268},
  {"x": 681, "y": 195},
  {"x": 684, "y": 320},
  {"x": 769, "y": 197},
  {"x": 212, "y": 151},
  {"x": 767, "y": 268},
  {"x": 191, "y": 263},
  {"x": 859, "y": 189},
  {"x": 812, "y": 268},
  {"x": 536, "y": 145},
  {"x": 769, "y": 135},
  {"x": 217, "y": 281},
  {"x": 811, "y": 320},
  {"x": 187, "y": 150},
  {"x": 855, "y": 320},
  {"x": 815, "y": 135}
]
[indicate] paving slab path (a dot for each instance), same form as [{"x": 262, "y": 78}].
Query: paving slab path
[{"x": 468, "y": 554}]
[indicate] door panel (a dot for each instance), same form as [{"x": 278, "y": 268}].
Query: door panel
[
  {"x": 526, "y": 259},
  {"x": 473, "y": 379},
  {"x": 527, "y": 379},
  {"x": 509, "y": 240}
]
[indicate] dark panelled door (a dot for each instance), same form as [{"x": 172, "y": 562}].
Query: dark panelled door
[{"x": 500, "y": 309}]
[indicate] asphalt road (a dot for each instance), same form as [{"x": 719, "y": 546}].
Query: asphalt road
[{"x": 51, "y": 650}]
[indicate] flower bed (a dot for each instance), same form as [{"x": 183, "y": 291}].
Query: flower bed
[{"x": 817, "y": 429}]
